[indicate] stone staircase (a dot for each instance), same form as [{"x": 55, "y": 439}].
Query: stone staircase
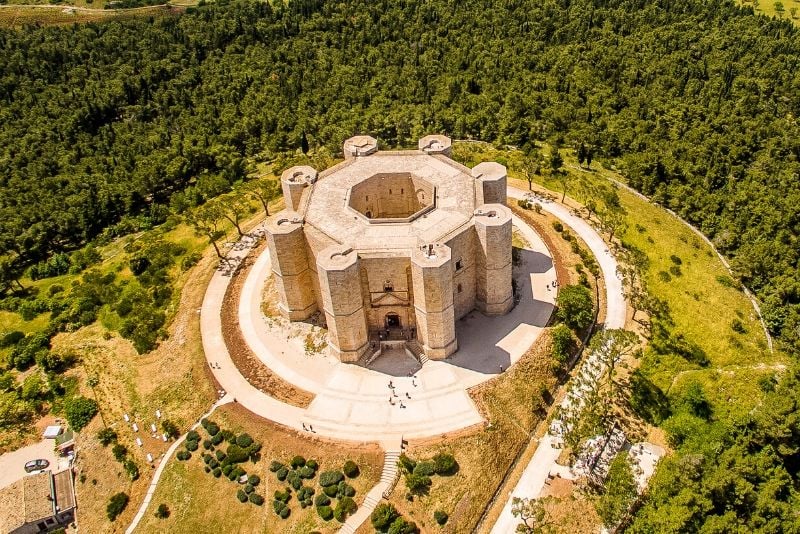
[
  {"x": 416, "y": 351},
  {"x": 381, "y": 490}
]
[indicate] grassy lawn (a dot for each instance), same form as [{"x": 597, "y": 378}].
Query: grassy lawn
[{"x": 198, "y": 502}]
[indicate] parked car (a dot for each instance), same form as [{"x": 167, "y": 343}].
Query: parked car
[{"x": 36, "y": 465}]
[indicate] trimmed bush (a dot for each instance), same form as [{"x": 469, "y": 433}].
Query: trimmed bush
[
  {"x": 321, "y": 500},
  {"x": 217, "y": 472},
  {"x": 236, "y": 454},
  {"x": 275, "y": 466},
  {"x": 285, "y": 512},
  {"x": 116, "y": 505},
  {"x": 277, "y": 506},
  {"x": 192, "y": 435},
  {"x": 212, "y": 429},
  {"x": 256, "y": 499},
  {"x": 183, "y": 455},
  {"x": 444, "y": 464},
  {"x": 440, "y": 517},
  {"x": 226, "y": 469},
  {"x": 350, "y": 469},
  {"x": 244, "y": 441},
  {"x": 207, "y": 458},
  {"x": 306, "y": 472},
  {"x": 313, "y": 464},
  {"x": 241, "y": 495},
  {"x": 425, "y": 469},
  {"x": 331, "y": 491},
  {"x": 383, "y": 516},
  {"x": 254, "y": 480},
  {"x": 282, "y": 473},
  {"x": 191, "y": 445},
  {"x": 417, "y": 483},
  {"x": 248, "y": 489},
  {"x": 217, "y": 439},
  {"x": 330, "y": 478},
  {"x": 297, "y": 461},
  {"x": 325, "y": 512},
  {"x": 207, "y": 444},
  {"x": 345, "y": 489}
]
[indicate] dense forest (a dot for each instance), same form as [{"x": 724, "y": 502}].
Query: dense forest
[{"x": 103, "y": 127}]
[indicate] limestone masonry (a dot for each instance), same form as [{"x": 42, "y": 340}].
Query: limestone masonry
[{"x": 393, "y": 245}]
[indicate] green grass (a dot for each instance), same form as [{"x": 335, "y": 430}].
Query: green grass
[{"x": 701, "y": 307}]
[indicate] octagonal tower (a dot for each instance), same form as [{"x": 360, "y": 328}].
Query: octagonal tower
[{"x": 393, "y": 246}]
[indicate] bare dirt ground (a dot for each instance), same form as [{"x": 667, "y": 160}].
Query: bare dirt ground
[{"x": 258, "y": 374}]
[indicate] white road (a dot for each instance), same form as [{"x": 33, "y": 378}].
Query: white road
[{"x": 544, "y": 459}]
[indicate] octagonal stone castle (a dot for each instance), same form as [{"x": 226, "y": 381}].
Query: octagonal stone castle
[{"x": 393, "y": 245}]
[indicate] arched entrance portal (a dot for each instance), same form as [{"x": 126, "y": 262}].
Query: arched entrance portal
[{"x": 392, "y": 321}]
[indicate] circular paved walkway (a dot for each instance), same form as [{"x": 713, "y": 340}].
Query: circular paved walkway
[{"x": 352, "y": 402}]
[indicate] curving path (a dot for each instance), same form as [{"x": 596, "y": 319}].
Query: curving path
[
  {"x": 163, "y": 463},
  {"x": 544, "y": 458}
]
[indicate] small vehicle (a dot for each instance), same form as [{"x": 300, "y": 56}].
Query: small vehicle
[{"x": 36, "y": 465}]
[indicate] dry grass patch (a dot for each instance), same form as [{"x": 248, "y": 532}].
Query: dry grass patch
[
  {"x": 18, "y": 17},
  {"x": 198, "y": 502}
]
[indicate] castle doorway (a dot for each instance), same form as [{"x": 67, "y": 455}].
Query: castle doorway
[{"x": 392, "y": 321}]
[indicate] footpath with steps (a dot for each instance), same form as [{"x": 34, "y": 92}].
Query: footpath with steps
[{"x": 381, "y": 490}]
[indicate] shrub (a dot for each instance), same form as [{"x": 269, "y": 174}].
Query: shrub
[
  {"x": 11, "y": 338},
  {"x": 244, "y": 441},
  {"x": 241, "y": 495},
  {"x": 330, "y": 478},
  {"x": 191, "y": 445},
  {"x": 192, "y": 435},
  {"x": 738, "y": 327},
  {"x": 345, "y": 489},
  {"x": 116, "y": 505},
  {"x": 297, "y": 461},
  {"x": 407, "y": 463},
  {"x": 79, "y": 411},
  {"x": 325, "y": 512},
  {"x": 444, "y": 464},
  {"x": 106, "y": 436},
  {"x": 170, "y": 429},
  {"x": 425, "y": 469},
  {"x": 132, "y": 469},
  {"x": 226, "y": 469},
  {"x": 254, "y": 480},
  {"x": 248, "y": 489},
  {"x": 207, "y": 458},
  {"x": 675, "y": 259},
  {"x": 282, "y": 473},
  {"x": 440, "y": 517},
  {"x": 331, "y": 491},
  {"x": 306, "y": 472},
  {"x": 312, "y": 464},
  {"x": 285, "y": 512},
  {"x": 401, "y": 526},
  {"x": 675, "y": 270},
  {"x": 217, "y": 472},
  {"x": 417, "y": 483},
  {"x": 212, "y": 429},
  {"x": 119, "y": 451},
  {"x": 256, "y": 499},
  {"x": 345, "y": 507},
  {"x": 350, "y": 469},
  {"x": 575, "y": 307},
  {"x": 383, "y": 516},
  {"x": 282, "y": 496},
  {"x": 183, "y": 455},
  {"x": 562, "y": 340},
  {"x": 557, "y": 226},
  {"x": 321, "y": 500},
  {"x": 220, "y": 455},
  {"x": 275, "y": 466},
  {"x": 236, "y": 454},
  {"x": 217, "y": 439},
  {"x": 664, "y": 276},
  {"x": 207, "y": 444},
  {"x": 163, "y": 511}
]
